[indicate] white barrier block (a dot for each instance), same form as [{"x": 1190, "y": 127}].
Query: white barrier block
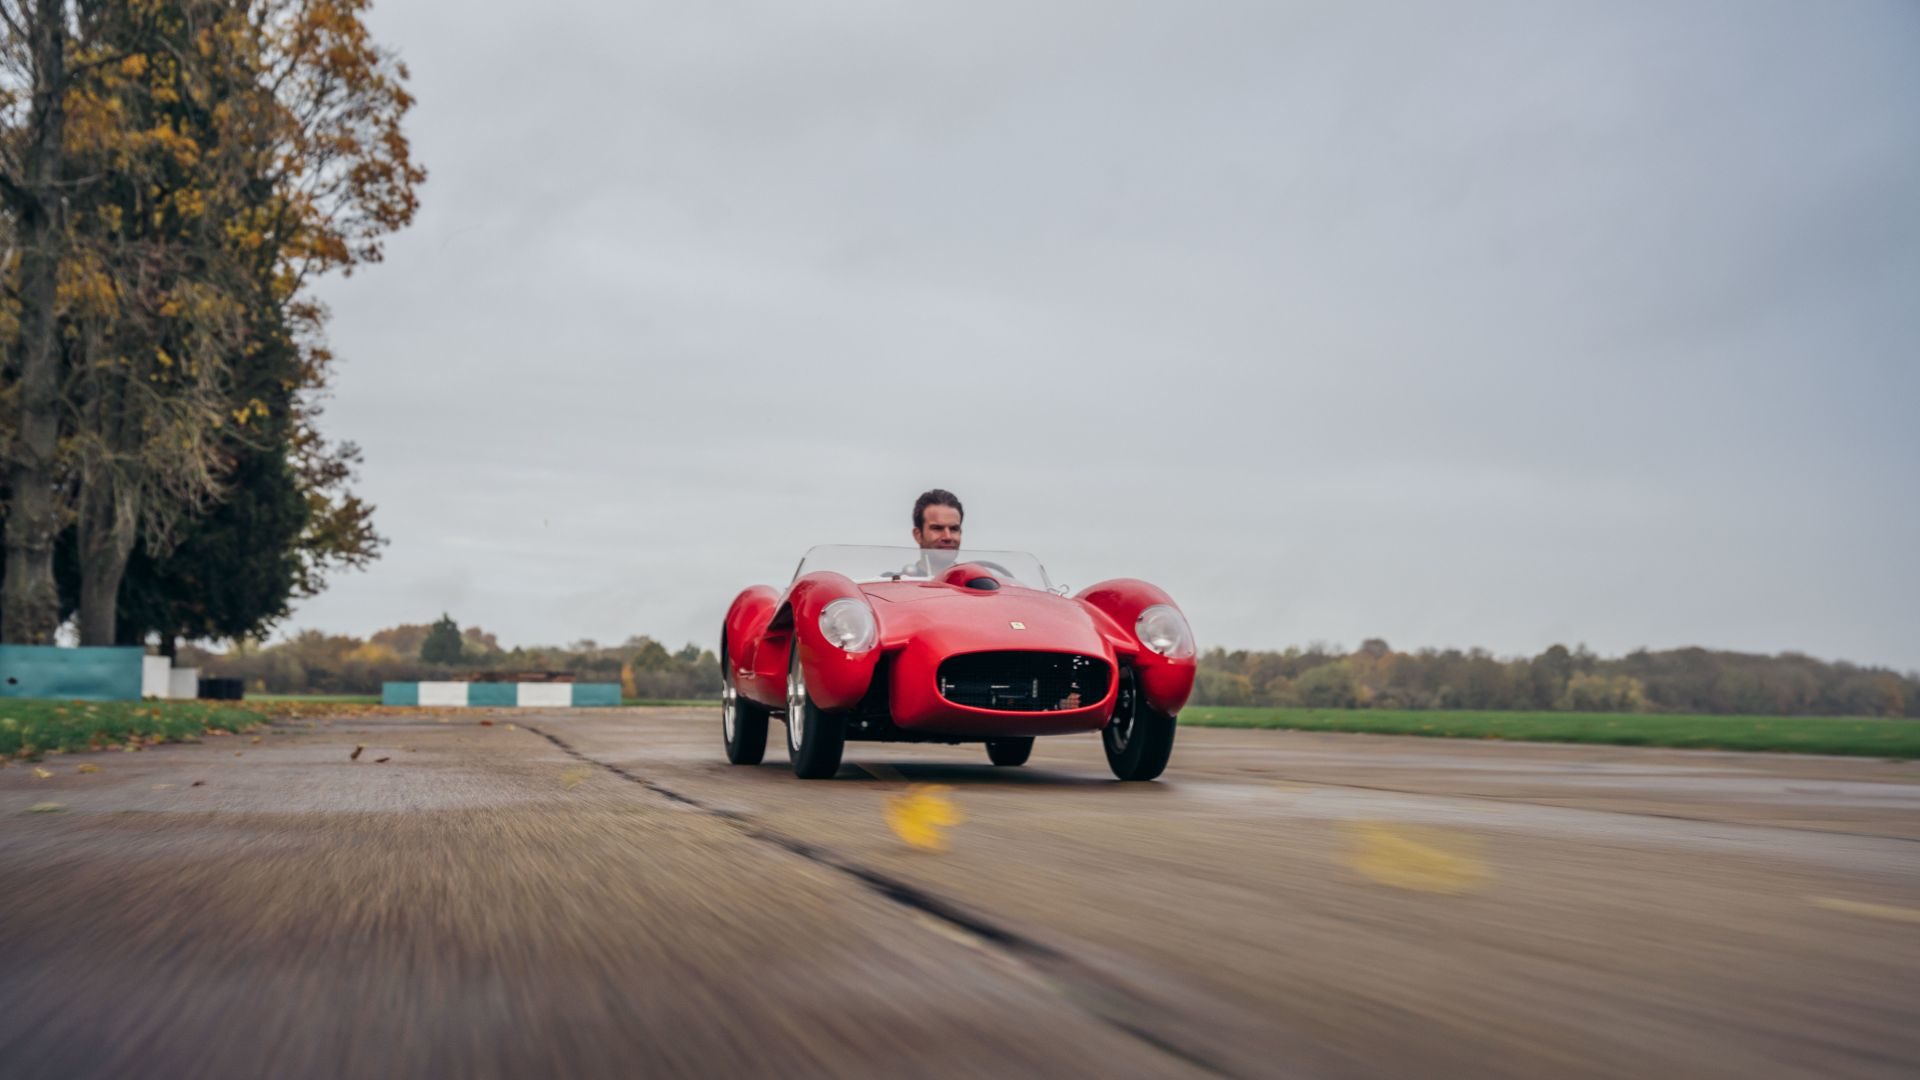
[
  {"x": 183, "y": 683},
  {"x": 546, "y": 695},
  {"x": 154, "y": 676},
  {"x": 443, "y": 693}
]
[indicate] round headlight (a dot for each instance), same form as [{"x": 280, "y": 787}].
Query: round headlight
[
  {"x": 1164, "y": 630},
  {"x": 848, "y": 625}
]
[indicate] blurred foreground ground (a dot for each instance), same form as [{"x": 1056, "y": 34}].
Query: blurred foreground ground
[{"x": 596, "y": 894}]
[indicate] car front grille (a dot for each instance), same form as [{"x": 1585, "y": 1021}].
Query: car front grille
[{"x": 1024, "y": 681}]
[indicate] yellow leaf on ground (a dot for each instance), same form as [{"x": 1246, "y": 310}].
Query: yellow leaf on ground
[
  {"x": 1423, "y": 860},
  {"x": 574, "y": 777},
  {"x": 42, "y": 773},
  {"x": 45, "y": 808},
  {"x": 1871, "y": 911},
  {"x": 88, "y": 768},
  {"x": 922, "y": 816}
]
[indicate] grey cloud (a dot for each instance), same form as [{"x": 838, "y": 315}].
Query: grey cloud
[{"x": 1486, "y": 324}]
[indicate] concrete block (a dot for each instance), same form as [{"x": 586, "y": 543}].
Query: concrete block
[
  {"x": 183, "y": 683},
  {"x": 155, "y": 676},
  {"x": 546, "y": 695},
  {"x": 443, "y": 693}
]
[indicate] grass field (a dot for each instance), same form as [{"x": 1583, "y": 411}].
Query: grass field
[
  {"x": 1855, "y": 736},
  {"x": 30, "y": 728}
]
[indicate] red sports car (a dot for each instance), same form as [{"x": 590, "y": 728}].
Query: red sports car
[{"x": 904, "y": 645}]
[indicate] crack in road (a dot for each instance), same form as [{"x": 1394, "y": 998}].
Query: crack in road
[{"x": 1102, "y": 997}]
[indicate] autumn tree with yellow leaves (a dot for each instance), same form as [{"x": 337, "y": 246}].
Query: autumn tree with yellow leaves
[{"x": 208, "y": 160}]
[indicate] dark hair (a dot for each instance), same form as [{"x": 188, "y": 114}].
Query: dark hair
[{"x": 936, "y": 497}]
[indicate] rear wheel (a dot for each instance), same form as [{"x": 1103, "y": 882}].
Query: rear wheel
[
  {"x": 815, "y": 739},
  {"x": 1010, "y": 751},
  {"x": 1140, "y": 738},
  {"x": 743, "y": 724}
]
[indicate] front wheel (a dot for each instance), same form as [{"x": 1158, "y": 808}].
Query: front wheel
[
  {"x": 743, "y": 723},
  {"x": 815, "y": 739},
  {"x": 1009, "y": 751},
  {"x": 1139, "y": 739}
]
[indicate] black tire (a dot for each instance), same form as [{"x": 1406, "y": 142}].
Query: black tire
[
  {"x": 743, "y": 724},
  {"x": 1010, "y": 751},
  {"x": 1140, "y": 739},
  {"x": 815, "y": 739}
]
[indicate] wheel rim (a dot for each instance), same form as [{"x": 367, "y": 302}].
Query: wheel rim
[
  {"x": 728, "y": 719},
  {"x": 796, "y": 707},
  {"x": 1121, "y": 726}
]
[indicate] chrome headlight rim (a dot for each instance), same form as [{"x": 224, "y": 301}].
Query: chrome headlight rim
[
  {"x": 849, "y": 625},
  {"x": 1164, "y": 631}
]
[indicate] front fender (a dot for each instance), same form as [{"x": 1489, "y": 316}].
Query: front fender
[
  {"x": 1165, "y": 683},
  {"x": 746, "y": 621},
  {"x": 743, "y": 635},
  {"x": 836, "y": 679}
]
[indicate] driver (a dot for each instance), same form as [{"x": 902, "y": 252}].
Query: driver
[
  {"x": 936, "y": 520},
  {"x": 936, "y": 527}
]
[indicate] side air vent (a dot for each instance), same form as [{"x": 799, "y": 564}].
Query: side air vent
[{"x": 1024, "y": 681}]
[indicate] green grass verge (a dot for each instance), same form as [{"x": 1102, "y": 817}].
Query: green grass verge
[
  {"x": 1795, "y": 734},
  {"x": 30, "y": 728}
]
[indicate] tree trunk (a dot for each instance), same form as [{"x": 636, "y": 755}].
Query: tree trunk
[
  {"x": 107, "y": 533},
  {"x": 29, "y": 599}
]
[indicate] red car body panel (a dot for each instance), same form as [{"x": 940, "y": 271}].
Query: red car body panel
[{"x": 921, "y": 624}]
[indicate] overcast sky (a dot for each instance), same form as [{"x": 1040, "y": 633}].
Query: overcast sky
[{"x": 1464, "y": 324}]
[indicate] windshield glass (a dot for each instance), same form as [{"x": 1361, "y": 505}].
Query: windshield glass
[{"x": 915, "y": 564}]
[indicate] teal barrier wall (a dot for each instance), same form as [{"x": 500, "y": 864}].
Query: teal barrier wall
[
  {"x": 88, "y": 673},
  {"x": 493, "y": 694},
  {"x": 488, "y": 695},
  {"x": 596, "y": 694}
]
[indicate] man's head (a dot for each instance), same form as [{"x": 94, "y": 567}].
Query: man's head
[{"x": 936, "y": 520}]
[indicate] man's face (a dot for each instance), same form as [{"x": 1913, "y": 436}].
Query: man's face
[{"x": 939, "y": 528}]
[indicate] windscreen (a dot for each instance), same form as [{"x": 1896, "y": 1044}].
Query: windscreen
[{"x": 916, "y": 564}]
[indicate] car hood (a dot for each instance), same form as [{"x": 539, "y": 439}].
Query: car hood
[{"x": 954, "y": 619}]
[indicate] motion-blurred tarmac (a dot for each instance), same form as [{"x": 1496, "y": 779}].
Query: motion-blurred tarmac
[{"x": 596, "y": 894}]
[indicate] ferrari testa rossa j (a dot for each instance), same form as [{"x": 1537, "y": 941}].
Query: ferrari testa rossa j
[{"x": 898, "y": 644}]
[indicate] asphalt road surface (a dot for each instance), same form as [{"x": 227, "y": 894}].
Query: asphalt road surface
[{"x": 594, "y": 893}]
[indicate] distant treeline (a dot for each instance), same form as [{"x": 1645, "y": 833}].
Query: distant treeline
[
  {"x": 1674, "y": 680},
  {"x": 312, "y": 662},
  {"x": 1319, "y": 676}
]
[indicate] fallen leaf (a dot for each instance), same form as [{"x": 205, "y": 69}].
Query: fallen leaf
[
  {"x": 486, "y": 723},
  {"x": 237, "y": 753},
  {"x": 42, "y": 773},
  {"x": 1871, "y": 911},
  {"x": 199, "y": 783},
  {"x": 45, "y": 808},
  {"x": 88, "y": 768},
  {"x": 1423, "y": 860},
  {"x": 256, "y": 740},
  {"x": 381, "y": 760},
  {"x": 510, "y": 727},
  {"x": 574, "y": 777},
  {"x": 355, "y": 756},
  {"x": 922, "y": 815}
]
